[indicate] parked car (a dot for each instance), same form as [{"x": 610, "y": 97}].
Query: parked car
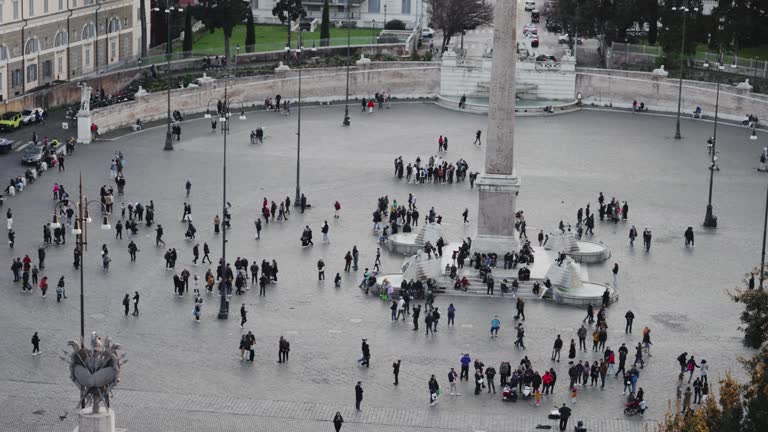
[
  {"x": 28, "y": 116},
  {"x": 10, "y": 121},
  {"x": 6, "y": 145},
  {"x": 563, "y": 39},
  {"x": 427, "y": 33}
]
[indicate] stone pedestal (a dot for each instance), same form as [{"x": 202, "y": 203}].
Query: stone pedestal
[
  {"x": 84, "y": 122},
  {"x": 103, "y": 421},
  {"x": 496, "y": 214}
]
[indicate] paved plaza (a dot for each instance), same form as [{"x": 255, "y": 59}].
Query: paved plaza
[{"x": 188, "y": 377}]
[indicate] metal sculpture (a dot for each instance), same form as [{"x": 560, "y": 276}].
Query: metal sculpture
[{"x": 95, "y": 370}]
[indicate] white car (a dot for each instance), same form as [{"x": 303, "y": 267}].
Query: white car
[
  {"x": 530, "y": 29},
  {"x": 28, "y": 116},
  {"x": 530, "y": 5},
  {"x": 563, "y": 39},
  {"x": 427, "y": 33}
]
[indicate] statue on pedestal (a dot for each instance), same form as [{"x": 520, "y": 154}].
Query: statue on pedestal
[{"x": 85, "y": 98}]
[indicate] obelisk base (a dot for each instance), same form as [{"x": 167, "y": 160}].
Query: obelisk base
[
  {"x": 103, "y": 421},
  {"x": 496, "y": 217}
]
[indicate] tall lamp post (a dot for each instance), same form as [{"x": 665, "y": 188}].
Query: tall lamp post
[
  {"x": 298, "y": 51},
  {"x": 684, "y": 11},
  {"x": 346, "y": 95},
  {"x": 710, "y": 220},
  {"x": 224, "y": 117},
  {"x": 168, "y": 50},
  {"x": 765, "y": 228},
  {"x": 80, "y": 230}
]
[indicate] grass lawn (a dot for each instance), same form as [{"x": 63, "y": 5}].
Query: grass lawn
[
  {"x": 274, "y": 37},
  {"x": 745, "y": 54}
]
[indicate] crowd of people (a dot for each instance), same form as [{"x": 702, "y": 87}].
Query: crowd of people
[{"x": 435, "y": 170}]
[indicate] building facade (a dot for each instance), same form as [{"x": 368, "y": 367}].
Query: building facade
[
  {"x": 43, "y": 41},
  {"x": 366, "y": 13}
]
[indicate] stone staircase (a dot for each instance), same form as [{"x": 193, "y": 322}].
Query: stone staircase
[
  {"x": 478, "y": 288},
  {"x": 430, "y": 232}
]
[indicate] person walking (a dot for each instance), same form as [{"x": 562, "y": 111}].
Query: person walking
[
  {"x": 358, "y": 395},
  {"x": 434, "y": 390},
  {"x": 35, "y": 344},
  {"x": 243, "y": 315},
  {"x": 520, "y": 336},
  {"x": 324, "y": 230},
  {"x": 520, "y": 306},
  {"x": 366, "y": 351},
  {"x": 477, "y": 137},
  {"x": 615, "y": 274},
  {"x": 320, "y": 270},
  {"x": 206, "y": 252},
  {"x": 565, "y": 414},
  {"x": 396, "y": 371},
  {"x": 337, "y": 421},
  {"x": 465, "y": 214},
  {"x": 159, "y": 235}
]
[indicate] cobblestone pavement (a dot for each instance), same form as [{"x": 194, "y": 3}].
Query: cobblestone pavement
[{"x": 194, "y": 369}]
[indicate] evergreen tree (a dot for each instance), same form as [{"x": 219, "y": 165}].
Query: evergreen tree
[
  {"x": 250, "y": 33},
  {"x": 325, "y": 26},
  {"x": 187, "y": 48}
]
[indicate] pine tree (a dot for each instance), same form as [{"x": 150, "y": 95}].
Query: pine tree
[
  {"x": 325, "y": 26},
  {"x": 187, "y": 32}
]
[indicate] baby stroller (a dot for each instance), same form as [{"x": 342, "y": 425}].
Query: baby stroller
[
  {"x": 527, "y": 392},
  {"x": 509, "y": 394}
]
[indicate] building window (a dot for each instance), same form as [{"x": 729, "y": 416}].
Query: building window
[
  {"x": 59, "y": 65},
  {"x": 15, "y": 9},
  {"x": 374, "y": 6},
  {"x": 87, "y": 56},
  {"x": 32, "y": 73},
  {"x": 17, "y": 78},
  {"x": 114, "y": 25},
  {"x": 74, "y": 3},
  {"x": 89, "y": 31},
  {"x": 60, "y": 39},
  {"x": 88, "y": 2},
  {"x": 45, "y": 6},
  {"x": 32, "y": 46},
  {"x": 406, "y": 7},
  {"x": 61, "y": 4},
  {"x": 47, "y": 69},
  {"x": 31, "y": 10},
  {"x": 3, "y": 53},
  {"x": 1, "y": 15}
]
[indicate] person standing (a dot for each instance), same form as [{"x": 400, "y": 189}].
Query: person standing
[
  {"x": 416, "y": 313},
  {"x": 451, "y": 314},
  {"x": 126, "y": 303},
  {"x": 452, "y": 378},
  {"x": 283, "y": 346},
  {"x": 324, "y": 230},
  {"x": 396, "y": 371},
  {"x": 132, "y": 249},
  {"x": 632, "y": 235},
  {"x": 243, "y": 314},
  {"x": 355, "y": 257},
  {"x": 337, "y": 421},
  {"x": 630, "y": 317},
  {"x": 358, "y": 395},
  {"x": 35, "y": 344},
  {"x": 60, "y": 286},
  {"x": 556, "y": 348},
  {"x": 188, "y": 186},
  {"x": 615, "y": 274},
  {"x": 582, "y": 334},
  {"x": 490, "y": 374},
  {"x": 135, "y": 303},
  {"x": 44, "y": 285},
  {"x": 41, "y": 256},
  {"x": 465, "y": 361},
  {"x": 321, "y": 270},
  {"x": 495, "y": 326}
]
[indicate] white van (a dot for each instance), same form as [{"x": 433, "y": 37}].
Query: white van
[{"x": 530, "y": 5}]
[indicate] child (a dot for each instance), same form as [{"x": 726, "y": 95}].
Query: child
[
  {"x": 197, "y": 281},
  {"x": 537, "y": 396},
  {"x": 337, "y": 280},
  {"x": 573, "y": 394}
]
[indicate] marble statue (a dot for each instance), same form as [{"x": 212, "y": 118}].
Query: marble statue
[
  {"x": 281, "y": 67},
  {"x": 660, "y": 72},
  {"x": 363, "y": 60},
  {"x": 85, "y": 98},
  {"x": 744, "y": 85}
]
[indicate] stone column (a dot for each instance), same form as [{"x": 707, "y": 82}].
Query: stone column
[{"x": 499, "y": 184}]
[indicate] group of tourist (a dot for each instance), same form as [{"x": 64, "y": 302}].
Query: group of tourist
[{"x": 436, "y": 170}]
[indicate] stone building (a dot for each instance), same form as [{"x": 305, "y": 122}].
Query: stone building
[
  {"x": 43, "y": 41},
  {"x": 366, "y": 13}
]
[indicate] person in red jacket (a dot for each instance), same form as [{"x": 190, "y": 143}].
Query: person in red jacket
[{"x": 44, "y": 285}]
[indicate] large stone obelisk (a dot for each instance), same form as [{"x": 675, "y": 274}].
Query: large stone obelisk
[{"x": 499, "y": 184}]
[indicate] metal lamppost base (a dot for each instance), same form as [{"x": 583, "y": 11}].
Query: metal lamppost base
[
  {"x": 710, "y": 220},
  {"x": 168, "y": 141},
  {"x": 677, "y": 131},
  {"x": 223, "y": 308},
  {"x": 754, "y": 134},
  {"x": 346, "y": 120}
]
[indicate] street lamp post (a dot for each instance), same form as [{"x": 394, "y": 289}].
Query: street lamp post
[
  {"x": 710, "y": 220},
  {"x": 237, "y": 53},
  {"x": 346, "y": 94},
  {"x": 168, "y": 51},
  {"x": 684, "y": 11},
  {"x": 373, "y": 32},
  {"x": 81, "y": 231},
  {"x": 297, "y": 200},
  {"x": 224, "y": 119},
  {"x": 765, "y": 228}
]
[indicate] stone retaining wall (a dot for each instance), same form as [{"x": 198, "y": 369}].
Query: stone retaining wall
[
  {"x": 619, "y": 88},
  {"x": 410, "y": 80}
]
